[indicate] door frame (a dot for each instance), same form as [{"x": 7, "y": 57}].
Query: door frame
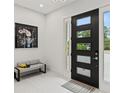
[{"x": 105, "y": 86}]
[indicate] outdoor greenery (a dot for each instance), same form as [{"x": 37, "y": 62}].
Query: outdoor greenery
[
  {"x": 86, "y": 46},
  {"x": 106, "y": 38},
  {"x": 83, "y": 46},
  {"x": 81, "y": 34}
]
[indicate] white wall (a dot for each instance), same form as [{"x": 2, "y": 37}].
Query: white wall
[
  {"x": 55, "y": 35},
  {"x": 25, "y": 16}
]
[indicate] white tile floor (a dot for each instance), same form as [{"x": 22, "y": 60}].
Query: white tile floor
[{"x": 42, "y": 83}]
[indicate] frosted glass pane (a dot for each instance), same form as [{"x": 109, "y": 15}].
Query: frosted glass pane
[
  {"x": 107, "y": 66},
  {"x": 83, "y": 34},
  {"x": 84, "y": 59},
  {"x": 82, "y": 71},
  {"x": 84, "y": 21}
]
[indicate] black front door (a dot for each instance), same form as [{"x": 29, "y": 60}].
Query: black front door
[{"x": 85, "y": 48}]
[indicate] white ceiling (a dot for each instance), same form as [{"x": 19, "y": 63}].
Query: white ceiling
[{"x": 49, "y": 5}]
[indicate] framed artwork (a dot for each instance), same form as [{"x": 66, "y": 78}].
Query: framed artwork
[{"x": 26, "y": 36}]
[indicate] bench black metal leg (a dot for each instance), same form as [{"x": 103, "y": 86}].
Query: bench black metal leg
[
  {"x": 44, "y": 68},
  {"x": 18, "y": 77},
  {"x": 44, "y": 71}
]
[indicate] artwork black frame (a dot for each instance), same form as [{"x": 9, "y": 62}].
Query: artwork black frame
[{"x": 26, "y": 36}]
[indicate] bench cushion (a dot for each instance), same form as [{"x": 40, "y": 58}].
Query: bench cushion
[{"x": 32, "y": 67}]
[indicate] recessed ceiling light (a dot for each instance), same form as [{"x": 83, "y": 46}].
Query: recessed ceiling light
[{"x": 41, "y": 5}]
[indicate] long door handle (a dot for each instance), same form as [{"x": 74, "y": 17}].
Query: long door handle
[{"x": 95, "y": 58}]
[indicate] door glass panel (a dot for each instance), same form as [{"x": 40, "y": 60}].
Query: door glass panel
[
  {"x": 83, "y": 46},
  {"x": 83, "y": 59},
  {"x": 83, "y": 34},
  {"x": 83, "y": 71},
  {"x": 84, "y": 21}
]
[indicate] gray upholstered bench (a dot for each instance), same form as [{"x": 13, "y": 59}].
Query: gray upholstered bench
[{"x": 33, "y": 65}]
